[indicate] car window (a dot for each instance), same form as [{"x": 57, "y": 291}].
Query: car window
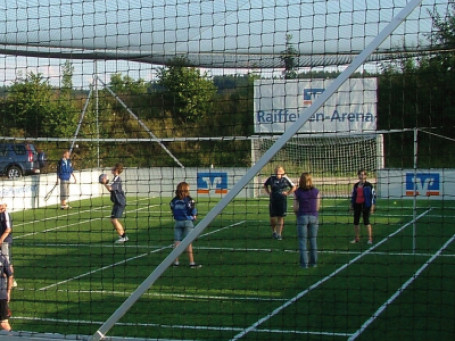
[
  {"x": 19, "y": 149},
  {"x": 3, "y": 150}
]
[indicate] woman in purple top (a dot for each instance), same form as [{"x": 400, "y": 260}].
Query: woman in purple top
[{"x": 306, "y": 206}]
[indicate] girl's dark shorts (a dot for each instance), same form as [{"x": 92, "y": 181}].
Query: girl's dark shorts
[
  {"x": 4, "y": 310},
  {"x": 360, "y": 209},
  {"x": 117, "y": 211},
  {"x": 278, "y": 206}
]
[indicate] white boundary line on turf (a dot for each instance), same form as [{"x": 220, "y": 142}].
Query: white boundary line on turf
[
  {"x": 69, "y": 214},
  {"x": 267, "y": 250},
  {"x": 173, "y": 326},
  {"x": 104, "y": 268},
  {"x": 336, "y": 252},
  {"x": 382, "y": 308},
  {"x": 173, "y": 295},
  {"x": 53, "y": 218},
  {"x": 132, "y": 258},
  {"x": 80, "y": 222},
  {"x": 67, "y": 225},
  {"x": 323, "y": 280}
]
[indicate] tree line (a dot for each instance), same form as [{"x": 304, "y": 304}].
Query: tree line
[{"x": 185, "y": 102}]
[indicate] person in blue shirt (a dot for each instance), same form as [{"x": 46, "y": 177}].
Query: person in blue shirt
[
  {"x": 363, "y": 200},
  {"x": 278, "y": 187},
  {"x": 64, "y": 173},
  {"x": 184, "y": 210}
]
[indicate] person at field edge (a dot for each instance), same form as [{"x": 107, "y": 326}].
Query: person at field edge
[
  {"x": 6, "y": 285},
  {"x": 6, "y": 237},
  {"x": 184, "y": 211},
  {"x": 278, "y": 187},
  {"x": 64, "y": 173},
  {"x": 119, "y": 200},
  {"x": 307, "y": 202},
  {"x": 363, "y": 201}
]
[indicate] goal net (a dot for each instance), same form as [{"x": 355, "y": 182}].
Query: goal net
[{"x": 330, "y": 159}]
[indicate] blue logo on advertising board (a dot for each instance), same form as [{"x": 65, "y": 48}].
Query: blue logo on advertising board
[
  {"x": 217, "y": 181},
  {"x": 309, "y": 95},
  {"x": 423, "y": 184}
]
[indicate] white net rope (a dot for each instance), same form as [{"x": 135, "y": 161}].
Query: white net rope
[{"x": 212, "y": 33}]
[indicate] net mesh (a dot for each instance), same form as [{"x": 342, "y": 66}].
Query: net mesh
[
  {"x": 326, "y": 156},
  {"x": 331, "y": 160},
  {"x": 170, "y": 90}
]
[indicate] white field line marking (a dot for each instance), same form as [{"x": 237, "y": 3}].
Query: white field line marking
[
  {"x": 103, "y": 268},
  {"x": 129, "y": 259},
  {"x": 173, "y": 326},
  {"x": 335, "y": 252},
  {"x": 382, "y": 308},
  {"x": 213, "y": 248},
  {"x": 81, "y": 222},
  {"x": 323, "y": 280},
  {"x": 57, "y": 228},
  {"x": 172, "y": 295},
  {"x": 58, "y": 216},
  {"x": 96, "y": 245},
  {"x": 69, "y": 215}
]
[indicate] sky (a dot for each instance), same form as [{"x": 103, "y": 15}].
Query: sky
[{"x": 216, "y": 34}]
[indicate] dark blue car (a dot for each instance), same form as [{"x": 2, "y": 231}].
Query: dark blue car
[{"x": 18, "y": 159}]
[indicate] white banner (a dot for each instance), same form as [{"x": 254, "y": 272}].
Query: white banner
[
  {"x": 30, "y": 191},
  {"x": 436, "y": 183},
  {"x": 278, "y": 103}
]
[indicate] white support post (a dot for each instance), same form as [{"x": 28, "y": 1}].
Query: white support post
[
  {"x": 142, "y": 124},
  {"x": 97, "y": 113},
  {"x": 414, "y": 201},
  {"x": 380, "y": 158},
  {"x": 84, "y": 110}
]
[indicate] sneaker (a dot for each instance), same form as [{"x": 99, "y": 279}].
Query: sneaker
[
  {"x": 195, "y": 266},
  {"x": 278, "y": 237},
  {"x": 370, "y": 242},
  {"x": 355, "y": 241},
  {"x": 175, "y": 264},
  {"x": 121, "y": 240},
  {"x": 14, "y": 284},
  {"x": 274, "y": 235}
]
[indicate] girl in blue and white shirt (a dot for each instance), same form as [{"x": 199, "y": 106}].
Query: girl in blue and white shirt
[{"x": 184, "y": 211}]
